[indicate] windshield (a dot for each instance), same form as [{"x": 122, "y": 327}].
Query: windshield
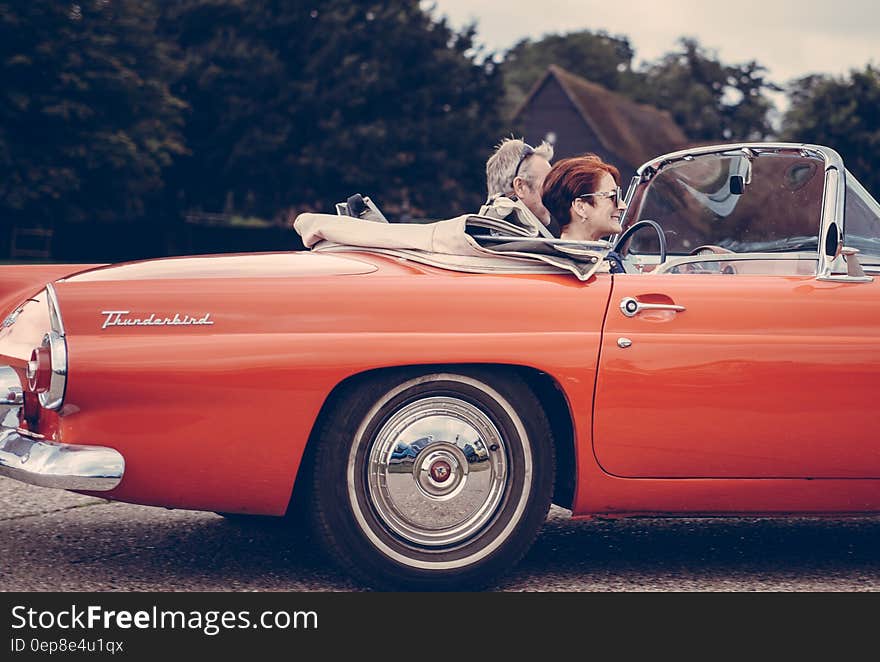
[
  {"x": 861, "y": 221},
  {"x": 744, "y": 202}
]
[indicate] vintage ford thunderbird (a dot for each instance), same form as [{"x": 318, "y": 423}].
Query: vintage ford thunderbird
[{"x": 421, "y": 394}]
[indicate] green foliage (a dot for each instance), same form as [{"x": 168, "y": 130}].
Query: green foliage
[
  {"x": 709, "y": 100},
  {"x": 843, "y": 113},
  {"x": 137, "y": 110},
  {"x": 142, "y": 110},
  {"x": 596, "y": 56},
  {"x": 302, "y": 104},
  {"x": 87, "y": 122}
]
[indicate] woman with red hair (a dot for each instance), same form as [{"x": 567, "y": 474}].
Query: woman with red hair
[{"x": 583, "y": 195}]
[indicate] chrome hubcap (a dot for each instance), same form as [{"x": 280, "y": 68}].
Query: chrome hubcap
[{"x": 437, "y": 471}]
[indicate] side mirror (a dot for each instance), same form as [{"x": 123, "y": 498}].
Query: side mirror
[
  {"x": 841, "y": 263},
  {"x": 853, "y": 266}
]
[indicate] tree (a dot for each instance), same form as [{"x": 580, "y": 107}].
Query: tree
[
  {"x": 747, "y": 117},
  {"x": 596, "y": 56},
  {"x": 708, "y": 99},
  {"x": 87, "y": 122},
  {"x": 842, "y": 113},
  {"x": 302, "y": 104}
]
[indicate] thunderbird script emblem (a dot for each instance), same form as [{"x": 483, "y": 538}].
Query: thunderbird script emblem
[{"x": 124, "y": 318}]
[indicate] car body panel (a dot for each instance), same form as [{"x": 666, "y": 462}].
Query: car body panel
[
  {"x": 237, "y": 266},
  {"x": 746, "y": 382},
  {"x": 233, "y": 403},
  {"x": 21, "y": 281}
]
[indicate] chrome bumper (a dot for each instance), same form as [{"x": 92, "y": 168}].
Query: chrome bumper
[{"x": 38, "y": 461}]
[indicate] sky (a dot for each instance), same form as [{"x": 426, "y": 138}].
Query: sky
[{"x": 791, "y": 38}]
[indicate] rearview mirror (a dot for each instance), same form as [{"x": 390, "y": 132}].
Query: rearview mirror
[{"x": 737, "y": 184}]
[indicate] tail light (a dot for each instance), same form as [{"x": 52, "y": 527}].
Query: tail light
[
  {"x": 47, "y": 368},
  {"x": 39, "y": 369}
]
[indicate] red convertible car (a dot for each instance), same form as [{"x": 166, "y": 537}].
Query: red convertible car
[{"x": 421, "y": 394}]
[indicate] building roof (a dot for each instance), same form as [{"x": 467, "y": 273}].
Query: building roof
[{"x": 637, "y": 132}]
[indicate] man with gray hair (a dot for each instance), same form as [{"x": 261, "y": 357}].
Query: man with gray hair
[{"x": 516, "y": 170}]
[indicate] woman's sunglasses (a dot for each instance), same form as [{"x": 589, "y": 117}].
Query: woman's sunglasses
[{"x": 616, "y": 195}]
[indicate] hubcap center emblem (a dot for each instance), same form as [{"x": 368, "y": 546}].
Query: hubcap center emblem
[{"x": 441, "y": 471}]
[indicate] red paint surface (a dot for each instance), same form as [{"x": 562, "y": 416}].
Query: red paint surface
[{"x": 728, "y": 407}]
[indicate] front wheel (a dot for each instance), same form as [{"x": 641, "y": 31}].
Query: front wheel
[{"x": 433, "y": 481}]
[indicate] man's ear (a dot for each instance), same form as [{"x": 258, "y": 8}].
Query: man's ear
[{"x": 519, "y": 184}]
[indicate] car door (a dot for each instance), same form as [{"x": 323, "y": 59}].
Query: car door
[{"x": 739, "y": 376}]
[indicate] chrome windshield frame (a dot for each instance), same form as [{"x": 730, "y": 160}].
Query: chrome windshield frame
[{"x": 833, "y": 197}]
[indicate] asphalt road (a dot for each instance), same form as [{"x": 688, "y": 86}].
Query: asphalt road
[{"x": 58, "y": 541}]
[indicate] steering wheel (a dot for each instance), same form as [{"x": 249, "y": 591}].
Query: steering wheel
[
  {"x": 635, "y": 227},
  {"x": 703, "y": 267},
  {"x": 710, "y": 249}
]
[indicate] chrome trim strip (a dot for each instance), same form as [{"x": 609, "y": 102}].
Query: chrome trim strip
[
  {"x": 54, "y": 310},
  {"x": 52, "y": 398},
  {"x": 729, "y": 257},
  {"x": 833, "y": 196},
  {"x": 843, "y": 278},
  {"x": 62, "y": 466},
  {"x": 830, "y": 157},
  {"x": 57, "y": 343}
]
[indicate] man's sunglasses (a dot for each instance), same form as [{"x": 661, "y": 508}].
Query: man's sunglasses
[
  {"x": 616, "y": 195},
  {"x": 527, "y": 151}
]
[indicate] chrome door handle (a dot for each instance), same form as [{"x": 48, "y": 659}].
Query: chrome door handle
[{"x": 632, "y": 307}]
